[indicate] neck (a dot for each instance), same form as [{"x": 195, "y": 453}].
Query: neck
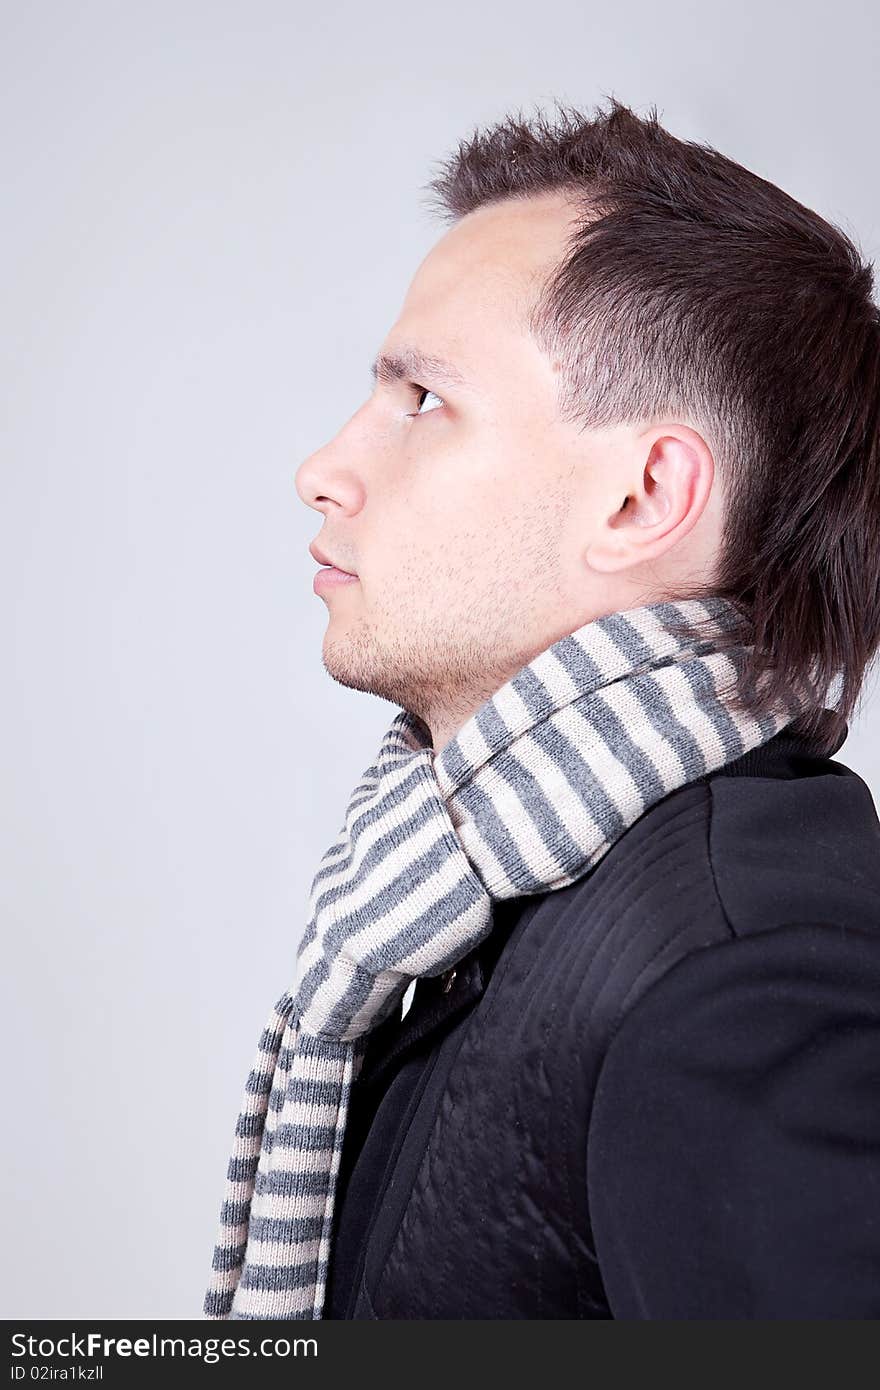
[
  {"x": 448, "y": 711},
  {"x": 446, "y": 715}
]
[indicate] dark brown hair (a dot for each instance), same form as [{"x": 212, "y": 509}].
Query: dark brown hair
[{"x": 692, "y": 288}]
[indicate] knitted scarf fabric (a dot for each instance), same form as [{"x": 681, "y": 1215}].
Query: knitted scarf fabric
[{"x": 535, "y": 788}]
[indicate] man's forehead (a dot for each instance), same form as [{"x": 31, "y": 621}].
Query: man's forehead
[
  {"x": 473, "y": 289},
  {"x": 464, "y": 277},
  {"x": 438, "y": 338},
  {"x": 492, "y": 251},
  {"x": 447, "y": 328}
]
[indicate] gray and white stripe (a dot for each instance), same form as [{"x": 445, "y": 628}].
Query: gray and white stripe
[{"x": 535, "y": 788}]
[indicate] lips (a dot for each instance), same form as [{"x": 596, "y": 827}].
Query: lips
[{"x": 324, "y": 559}]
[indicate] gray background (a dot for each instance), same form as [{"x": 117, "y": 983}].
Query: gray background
[{"x": 213, "y": 212}]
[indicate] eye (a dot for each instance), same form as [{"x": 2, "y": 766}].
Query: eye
[{"x": 423, "y": 394}]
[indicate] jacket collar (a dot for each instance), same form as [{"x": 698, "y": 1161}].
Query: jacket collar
[{"x": 786, "y": 753}]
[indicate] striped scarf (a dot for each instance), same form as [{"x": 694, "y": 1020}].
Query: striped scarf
[{"x": 535, "y": 788}]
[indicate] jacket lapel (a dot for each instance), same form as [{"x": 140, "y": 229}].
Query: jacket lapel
[{"x": 436, "y": 1001}]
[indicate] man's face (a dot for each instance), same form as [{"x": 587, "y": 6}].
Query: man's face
[{"x": 464, "y": 508}]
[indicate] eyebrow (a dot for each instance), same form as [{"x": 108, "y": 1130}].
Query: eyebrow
[{"x": 410, "y": 364}]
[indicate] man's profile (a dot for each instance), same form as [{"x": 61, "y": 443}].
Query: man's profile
[{"x": 587, "y": 1004}]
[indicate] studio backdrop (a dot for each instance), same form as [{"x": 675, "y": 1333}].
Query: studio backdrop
[{"x": 212, "y": 212}]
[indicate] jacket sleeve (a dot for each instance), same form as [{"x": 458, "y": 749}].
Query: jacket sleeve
[{"x": 733, "y": 1158}]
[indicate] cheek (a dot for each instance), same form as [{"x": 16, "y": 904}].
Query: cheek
[
  {"x": 470, "y": 501},
  {"x": 481, "y": 481}
]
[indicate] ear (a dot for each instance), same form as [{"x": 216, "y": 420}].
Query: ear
[{"x": 672, "y": 475}]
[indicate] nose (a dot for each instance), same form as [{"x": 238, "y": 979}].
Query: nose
[{"x": 325, "y": 482}]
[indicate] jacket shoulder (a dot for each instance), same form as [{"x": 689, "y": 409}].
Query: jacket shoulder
[
  {"x": 795, "y": 849},
  {"x": 749, "y": 853},
  {"x": 720, "y": 859}
]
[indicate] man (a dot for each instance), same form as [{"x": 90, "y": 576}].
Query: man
[{"x": 629, "y": 404}]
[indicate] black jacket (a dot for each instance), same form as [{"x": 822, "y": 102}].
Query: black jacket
[{"x": 652, "y": 1094}]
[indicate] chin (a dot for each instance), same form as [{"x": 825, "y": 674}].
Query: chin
[
  {"x": 346, "y": 665},
  {"x": 352, "y": 666}
]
